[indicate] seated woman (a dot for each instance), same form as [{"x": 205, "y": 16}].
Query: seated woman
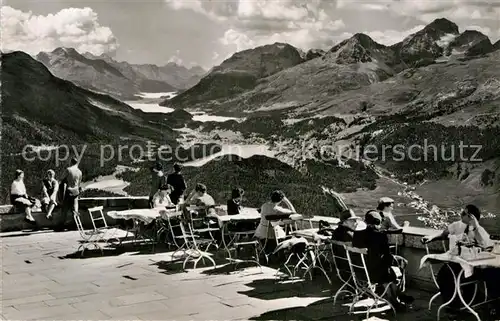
[
  {"x": 389, "y": 223},
  {"x": 380, "y": 261},
  {"x": 19, "y": 198},
  {"x": 162, "y": 198},
  {"x": 234, "y": 204},
  {"x": 277, "y": 206},
  {"x": 201, "y": 199},
  {"x": 50, "y": 189},
  {"x": 467, "y": 230}
]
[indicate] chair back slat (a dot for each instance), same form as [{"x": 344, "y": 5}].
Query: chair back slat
[
  {"x": 79, "y": 226},
  {"x": 177, "y": 229},
  {"x": 189, "y": 235},
  {"x": 95, "y": 209},
  {"x": 340, "y": 259},
  {"x": 100, "y": 217},
  {"x": 357, "y": 264}
]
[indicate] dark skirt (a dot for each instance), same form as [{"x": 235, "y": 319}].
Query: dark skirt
[{"x": 21, "y": 205}]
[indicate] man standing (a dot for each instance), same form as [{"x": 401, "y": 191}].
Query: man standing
[
  {"x": 156, "y": 181},
  {"x": 176, "y": 180},
  {"x": 71, "y": 190}
]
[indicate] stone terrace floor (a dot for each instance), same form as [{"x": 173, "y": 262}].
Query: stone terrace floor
[{"x": 41, "y": 280}]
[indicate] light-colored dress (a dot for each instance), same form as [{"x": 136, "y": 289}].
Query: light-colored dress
[
  {"x": 268, "y": 229},
  {"x": 18, "y": 188},
  {"x": 18, "y": 193},
  {"x": 162, "y": 199},
  {"x": 389, "y": 222}
]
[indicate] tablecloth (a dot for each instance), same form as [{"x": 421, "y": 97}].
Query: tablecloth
[
  {"x": 146, "y": 215},
  {"x": 467, "y": 265}
]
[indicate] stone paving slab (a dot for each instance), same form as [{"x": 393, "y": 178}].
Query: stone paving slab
[{"x": 41, "y": 280}]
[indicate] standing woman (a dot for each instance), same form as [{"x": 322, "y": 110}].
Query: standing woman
[
  {"x": 19, "y": 197},
  {"x": 50, "y": 189}
]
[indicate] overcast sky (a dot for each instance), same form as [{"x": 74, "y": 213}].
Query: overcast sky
[{"x": 205, "y": 32}]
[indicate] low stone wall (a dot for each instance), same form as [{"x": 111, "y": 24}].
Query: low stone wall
[{"x": 12, "y": 220}]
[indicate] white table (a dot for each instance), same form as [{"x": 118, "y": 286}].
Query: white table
[
  {"x": 247, "y": 214},
  {"x": 467, "y": 270},
  {"x": 146, "y": 215},
  {"x": 142, "y": 215},
  {"x": 167, "y": 214}
]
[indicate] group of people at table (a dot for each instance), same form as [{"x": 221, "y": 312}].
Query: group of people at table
[
  {"x": 384, "y": 267},
  {"x": 372, "y": 234}
]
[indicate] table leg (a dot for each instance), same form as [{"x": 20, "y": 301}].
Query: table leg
[
  {"x": 466, "y": 305},
  {"x": 316, "y": 254},
  {"x": 224, "y": 231},
  {"x": 457, "y": 289}
]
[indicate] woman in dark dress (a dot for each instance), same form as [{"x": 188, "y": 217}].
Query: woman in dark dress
[
  {"x": 50, "y": 189},
  {"x": 234, "y": 204},
  {"x": 380, "y": 259}
]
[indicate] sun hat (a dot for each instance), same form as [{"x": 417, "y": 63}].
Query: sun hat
[
  {"x": 348, "y": 215},
  {"x": 385, "y": 199}
]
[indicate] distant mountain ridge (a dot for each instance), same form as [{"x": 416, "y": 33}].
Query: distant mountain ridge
[
  {"x": 240, "y": 72},
  {"x": 436, "y": 86},
  {"x": 178, "y": 76},
  {"x": 58, "y": 111},
  {"x": 238, "y": 84},
  {"x": 119, "y": 79}
]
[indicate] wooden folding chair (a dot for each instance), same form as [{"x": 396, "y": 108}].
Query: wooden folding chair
[
  {"x": 202, "y": 227},
  {"x": 343, "y": 271},
  {"x": 193, "y": 242},
  {"x": 364, "y": 286},
  {"x": 239, "y": 239},
  {"x": 319, "y": 251},
  {"x": 107, "y": 233},
  {"x": 299, "y": 255},
  {"x": 95, "y": 237},
  {"x": 177, "y": 234},
  {"x": 89, "y": 238}
]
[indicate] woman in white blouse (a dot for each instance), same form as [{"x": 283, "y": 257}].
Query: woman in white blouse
[
  {"x": 466, "y": 230},
  {"x": 20, "y": 198},
  {"x": 277, "y": 206},
  {"x": 162, "y": 198}
]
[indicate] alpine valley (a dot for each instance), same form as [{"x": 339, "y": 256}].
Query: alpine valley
[{"x": 325, "y": 118}]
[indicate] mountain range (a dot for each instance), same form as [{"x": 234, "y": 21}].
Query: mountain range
[
  {"x": 437, "y": 86},
  {"x": 289, "y": 82},
  {"x": 119, "y": 79}
]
